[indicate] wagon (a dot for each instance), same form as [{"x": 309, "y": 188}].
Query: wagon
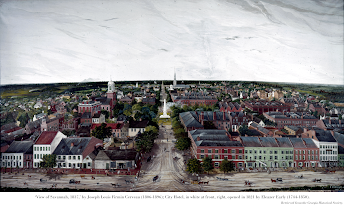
[{"x": 155, "y": 178}]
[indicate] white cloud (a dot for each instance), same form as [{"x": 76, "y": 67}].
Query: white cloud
[{"x": 71, "y": 41}]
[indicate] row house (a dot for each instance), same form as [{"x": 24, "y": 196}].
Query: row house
[
  {"x": 306, "y": 152},
  {"x": 190, "y": 121},
  {"x": 230, "y": 107},
  {"x": 238, "y": 119},
  {"x": 327, "y": 144},
  {"x": 291, "y": 118},
  {"x": 86, "y": 118},
  {"x": 217, "y": 145},
  {"x": 71, "y": 124},
  {"x": 76, "y": 152},
  {"x": 267, "y": 152},
  {"x": 195, "y": 98},
  {"x": 262, "y": 106},
  {"x": 18, "y": 155},
  {"x": 45, "y": 145},
  {"x": 221, "y": 120}
]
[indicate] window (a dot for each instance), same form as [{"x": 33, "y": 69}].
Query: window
[
  {"x": 245, "y": 151},
  {"x": 250, "y": 151},
  {"x": 260, "y": 157},
  {"x": 64, "y": 157},
  {"x": 270, "y": 157},
  {"x": 233, "y": 151},
  {"x": 69, "y": 157},
  {"x": 202, "y": 150},
  {"x": 240, "y": 151},
  {"x": 225, "y": 151},
  {"x": 282, "y": 152},
  {"x": 216, "y": 156},
  {"x": 270, "y": 152},
  {"x": 201, "y": 156},
  {"x": 34, "y": 157},
  {"x": 59, "y": 157},
  {"x": 276, "y": 157},
  {"x": 78, "y": 157},
  {"x": 64, "y": 164},
  {"x": 216, "y": 151},
  {"x": 209, "y": 150},
  {"x": 240, "y": 157},
  {"x": 89, "y": 164},
  {"x": 275, "y": 152},
  {"x": 40, "y": 149},
  {"x": 69, "y": 165},
  {"x": 40, "y": 156},
  {"x": 34, "y": 148},
  {"x": 255, "y": 157},
  {"x": 74, "y": 157},
  {"x": 216, "y": 164}
]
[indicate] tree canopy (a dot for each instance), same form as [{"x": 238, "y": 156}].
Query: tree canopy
[
  {"x": 48, "y": 161},
  {"x": 226, "y": 166},
  {"x": 102, "y": 131},
  {"x": 194, "y": 166},
  {"x": 207, "y": 164},
  {"x": 183, "y": 143},
  {"x": 145, "y": 141}
]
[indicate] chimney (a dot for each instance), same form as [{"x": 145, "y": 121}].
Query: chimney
[
  {"x": 198, "y": 139},
  {"x": 224, "y": 116},
  {"x": 202, "y": 115},
  {"x": 72, "y": 144},
  {"x": 214, "y": 115}
]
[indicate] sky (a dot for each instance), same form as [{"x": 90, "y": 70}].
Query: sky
[{"x": 54, "y": 41}]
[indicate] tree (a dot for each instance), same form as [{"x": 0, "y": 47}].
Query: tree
[
  {"x": 183, "y": 143},
  {"x": 48, "y": 161},
  {"x": 151, "y": 128},
  {"x": 136, "y": 107},
  {"x": 102, "y": 131},
  {"x": 68, "y": 132},
  {"x": 23, "y": 118},
  {"x": 106, "y": 113},
  {"x": 193, "y": 166},
  {"x": 207, "y": 164},
  {"x": 226, "y": 166}
]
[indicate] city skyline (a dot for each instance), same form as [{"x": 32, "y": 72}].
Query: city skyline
[{"x": 77, "y": 41}]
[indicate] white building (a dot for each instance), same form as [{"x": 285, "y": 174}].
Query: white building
[
  {"x": 136, "y": 127},
  {"x": 45, "y": 145},
  {"x": 18, "y": 155},
  {"x": 75, "y": 152},
  {"x": 328, "y": 148}
]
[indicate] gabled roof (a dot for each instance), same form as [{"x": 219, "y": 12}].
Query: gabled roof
[
  {"x": 72, "y": 146},
  {"x": 138, "y": 124},
  {"x": 297, "y": 142},
  {"x": 46, "y": 137},
  {"x": 309, "y": 143},
  {"x": 20, "y": 147},
  {"x": 339, "y": 137},
  {"x": 251, "y": 142},
  {"x": 190, "y": 120},
  {"x": 283, "y": 142},
  {"x": 212, "y": 137},
  {"x": 324, "y": 136},
  {"x": 128, "y": 154},
  {"x": 268, "y": 142}
]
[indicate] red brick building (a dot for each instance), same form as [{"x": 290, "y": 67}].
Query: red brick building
[
  {"x": 301, "y": 119},
  {"x": 262, "y": 106},
  {"x": 306, "y": 153},
  {"x": 194, "y": 98},
  {"x": 230, "y": 107},
  {"x": 217, "y": 145}
]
